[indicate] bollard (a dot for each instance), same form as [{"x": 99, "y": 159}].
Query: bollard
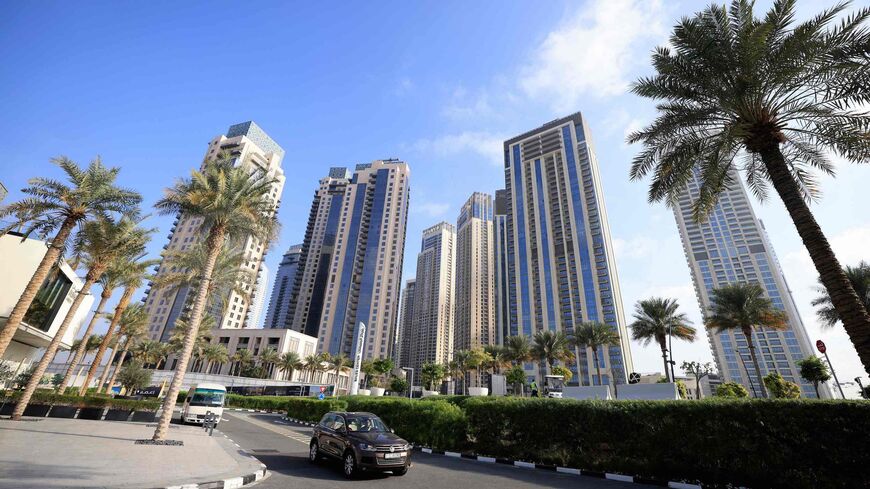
[{"x": 209, "y": 422}]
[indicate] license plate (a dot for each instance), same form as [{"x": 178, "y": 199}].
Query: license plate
[{"x": 394, "y": 455}]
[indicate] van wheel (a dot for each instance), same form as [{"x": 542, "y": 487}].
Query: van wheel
[{"x": 349, "y": 466}]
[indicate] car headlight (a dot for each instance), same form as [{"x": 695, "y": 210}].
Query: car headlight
[
  {"x": 407, "y": 447},
  {"x": 366, "y": 447}
]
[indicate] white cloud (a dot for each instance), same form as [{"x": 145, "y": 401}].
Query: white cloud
[
  {"x": 636, "y": 248},
  {"x": 431, "y": 209},
  {"x": 594, "y": 51},
  {"x": 484, "y": 144}
]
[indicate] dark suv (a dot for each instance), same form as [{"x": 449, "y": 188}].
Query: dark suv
[{"x": 361, "y": 441}]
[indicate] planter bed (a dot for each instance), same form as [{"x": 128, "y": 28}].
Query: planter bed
[
  {"x": 95, "y": 413},
  {"x": 144, "y": 416},
  {"x": 37, "y": 410},
  {"x": 63, "y": 412},
  {"x": 118, "y": 414}
]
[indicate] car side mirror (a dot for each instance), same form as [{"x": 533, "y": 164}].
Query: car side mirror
[{"x": 392, "y": 431}]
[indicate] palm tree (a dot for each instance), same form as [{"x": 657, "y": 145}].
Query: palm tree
[
  {"x": 214, "y": 354},
  {"x": 150, "y": 352},
  {"x": 550, "y": 346},
  {"x": 184, "y": 269},
  {"x": 743, "y": 306},
  {"x": 519, "y": 348},
  {"x": 500, "y": 357},
  {"x": 99, "y": 243},
  {"x": 234, "y": 203},
  {"x": 312, "y": 364},
  {"x": 243, "y": 358},
  {"x": 109, "y": 281},
  {"x": 55, "y": 205},
  {"x": 268, "y": 358},
  {"x": 594, "y": 334},
  {"x": 134, "y": 319},
  {"x": 778, "y": 94},
  {"x": 289, "y": 363},
  {"x": 134, "y": 273},
  {"x": 338, "y": 363},
  {"x": 657, "y": 319},
  {"x": 859, "y": 277},
  {"x": 201, "y": 338},
  {"x": 459, "y": 367},
  {"x": 431, "y": 373}
]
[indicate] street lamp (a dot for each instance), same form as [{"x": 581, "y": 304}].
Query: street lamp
[{"x": 411, "y": 382}]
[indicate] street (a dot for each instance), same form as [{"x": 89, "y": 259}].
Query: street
[{"x": 283, "y": 448}]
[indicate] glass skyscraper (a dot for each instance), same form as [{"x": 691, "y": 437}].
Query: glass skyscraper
[
  {"x": 500, "y": 265},
  {"x": 350, "y": 266},
  {"x": 561, "y": 269},
  {"x": 279, "y": 302},
  {"x": 732, "y": 246}
]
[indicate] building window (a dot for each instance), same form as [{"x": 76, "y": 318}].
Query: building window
[{"x": 48, "y": 300}]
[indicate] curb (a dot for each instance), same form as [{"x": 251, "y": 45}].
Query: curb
[
  {"x": 229, "y": 483},
  {"x": 548, "y": 468}
]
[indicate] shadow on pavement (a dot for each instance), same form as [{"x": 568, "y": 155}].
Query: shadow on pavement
[{"x": 298, "y": 466}]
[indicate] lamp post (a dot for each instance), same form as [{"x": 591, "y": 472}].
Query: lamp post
[
  {"x": 671, "y": 354},
  {"x": 411, "y": 382},
  {"x": 861, "y": 387}
]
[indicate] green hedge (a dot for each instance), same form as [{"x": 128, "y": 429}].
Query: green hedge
[
  {"x": 312, "y": 409},
  {"x": 269, "y": 403},
  {"x": 436, "y": 424},
  {"x": 456, "y": 400},
  {"x": 49, "y": 397},
  {"x": 775, "y": 443}
]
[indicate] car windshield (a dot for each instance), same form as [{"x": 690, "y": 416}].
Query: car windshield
[
  {"x": 365, "y": 424},
  {"x": 207, "y": 397}
]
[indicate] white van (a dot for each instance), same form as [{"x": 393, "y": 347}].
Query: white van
[{"x": 201, "y": 399}]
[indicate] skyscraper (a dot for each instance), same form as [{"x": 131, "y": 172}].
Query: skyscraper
[
  {"x": 279, "y": 302},
  {"x": 254, "y": 149},
  {"x": 560, "y": 258},
  {"x": 730, "y": 247},
  {"x": 500, "y": 261},
  {"x": 475, "y": 316},
  {"x": 403, "y": 340},
  {"x": 350, "y": 266},
  {"x": 258, "y": 298},
  {"x": 431, "y": 334}
]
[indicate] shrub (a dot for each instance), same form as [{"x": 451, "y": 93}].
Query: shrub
[
  {"x": 311, "y": 409},
  {"x": 731, "y": 389},
  {"x": 780, "y": 388},
  {"x": 269, "y": 403},
  {"x": 754, "y": 443},
  {"x": 132, "y": 376},
  {"x": 457, "y": 400},
  {"x": 435, "y": 423},
  {"x": 49, "y": 397},
  {"x": 398, "y": 385}
]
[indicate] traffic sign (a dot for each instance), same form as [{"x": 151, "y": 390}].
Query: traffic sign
[
  {"x": 322, "y": 388},
  {"x": 821, "y": 346},
  {"x": 633, "y": 378},
  {"x": 321, "y": 396}
]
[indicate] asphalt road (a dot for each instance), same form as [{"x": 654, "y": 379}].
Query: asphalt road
[{"x": 283, "y": 447}]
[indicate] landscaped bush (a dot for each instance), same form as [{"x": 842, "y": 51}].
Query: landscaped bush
[
  {"x": 49, "y": 397},
  {"x": 436, "y": 424},
  {"x": 456, "y": 400},
  {"x": 776, "y": 443},
  {"x": 270, "y": 403},
  {"x": 312, "y": 409}
]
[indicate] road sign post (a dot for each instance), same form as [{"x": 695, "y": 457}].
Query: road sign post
[
  {"x": 357, "y": 359},
  {"x": 823, "y": 349}
]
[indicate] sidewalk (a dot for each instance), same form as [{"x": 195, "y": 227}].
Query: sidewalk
[{"x": 53, "y": 452}]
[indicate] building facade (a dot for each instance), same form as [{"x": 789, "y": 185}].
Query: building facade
[
  {"x": 19, "y": 260},
  {"x": 403, "y": 339},
  {"x": 279, "y": 301},
  {"x": 431, "y": 335},
  {"x": 561, "y": 265},
  {"x": 500, "y": 264},
  {"x": 732, "y": 247},
  {"x": 350, "y": 266},
  {"x": 475, "y": 316},
  {"x": 252, "y": 148},
  {"x": 258, "y": 298}
]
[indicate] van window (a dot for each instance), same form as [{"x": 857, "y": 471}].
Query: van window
[{"x": 208, "y": 397}]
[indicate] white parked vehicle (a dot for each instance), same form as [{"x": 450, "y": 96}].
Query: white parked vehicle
[
  {"x": 202, "y": 399},
  {"x": 554, "y": 385}
]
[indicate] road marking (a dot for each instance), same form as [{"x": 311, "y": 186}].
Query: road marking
[{"x": 293, "y": 435}]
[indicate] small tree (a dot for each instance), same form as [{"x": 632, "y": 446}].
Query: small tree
[
  {"x": 398, "y": 385},
  {"x": 731, "y": 389},
  {"x": 432, "y": 373},
  {"x": 5, "y": 374},
  {"x": 367, "y": 367},
  {"x": 781, "y": 388},
  {"x": 382, "y": 366},
  {"x": 814, "y": 370},
  {"x": 56, "y": 379},
  {"x": 516, "y": 377},
  {"x": 699, "y": 371},
  {"x": 563, "y": 371},
  {"x": 134, "y": 377}
]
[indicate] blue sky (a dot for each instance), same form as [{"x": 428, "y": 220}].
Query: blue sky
[{"x": 437, "y": 84}]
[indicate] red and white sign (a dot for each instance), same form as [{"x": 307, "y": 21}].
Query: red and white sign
[
  {"x": 821, "y": 346},
  {"x": 322, "y": 388}
]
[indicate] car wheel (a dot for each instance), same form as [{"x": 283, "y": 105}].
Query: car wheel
[
  {"x": 314, "y": 452},
  {"x": 349, "y": 467},
  {"x": 402, "y": 471}
]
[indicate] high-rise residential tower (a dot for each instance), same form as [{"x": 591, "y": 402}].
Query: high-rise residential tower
[
  {"x": 254, "y": 149},
  {"x": 730, "y": 247},
  {"x": 500, "y": 264},
  {"x": 350, "y": 267},
  {"x": 279, "y": 302},
  {"x": 403, "y": 340},
  {"x": 431, "y": 333},
  {"x": 475, "y": 317},
  {"x": 561, "y": 266},
  {"x": 258, "y": 298}
]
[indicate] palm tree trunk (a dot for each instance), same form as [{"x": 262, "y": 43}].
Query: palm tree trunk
[
  {"x": 48, "y": 260},
  {"x": 214, "y": 244},
  {"x": 48, "y": 356},
  {"x": 119, "y": 309},
  {"x": 664, "y": 346},
  {"x": 80, "y": 351},
  {"x": 105, "y": 375},
  {"x": 597, "y": 366},
  {"x": 748, "y": 334},
  {"x": 854, "y": 316},
  {"x": 118, "y": 366}
]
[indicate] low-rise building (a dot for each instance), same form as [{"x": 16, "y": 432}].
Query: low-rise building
[{"x": 19, "y": 259}]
